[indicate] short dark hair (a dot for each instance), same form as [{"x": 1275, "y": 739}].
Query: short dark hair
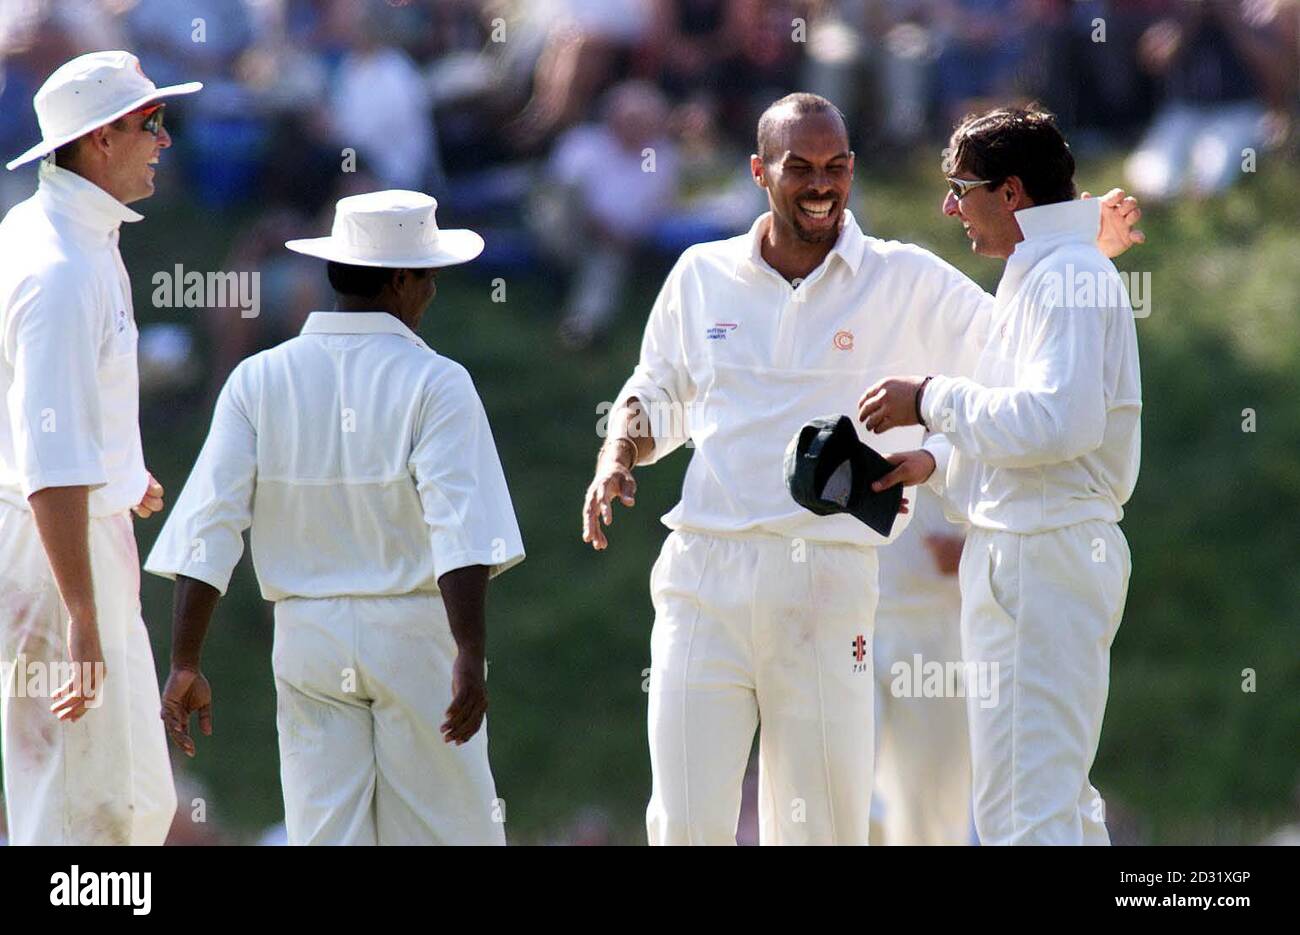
[
  {"x": 66, "y": 154},
  {"x": 363, "y": 281},
  {"x": 1020, "y": 141},
  {"x": 799, "y": 104}
]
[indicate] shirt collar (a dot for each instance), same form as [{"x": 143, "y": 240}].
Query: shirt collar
[
  {"x": 1065, "y": 220},
  {"x": 1047, "y": 227},
  {"x": 850, "y": 245},
  {"x": 81, "y": 200},
  {"x": 376, "y": 322}
]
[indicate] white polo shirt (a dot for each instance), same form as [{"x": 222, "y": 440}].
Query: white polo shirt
[
  {"x": 1047, "y": 432},
  {"x": 68, "y": 348},
  {"x": 737, "y": 359},
  {"x": 361, "y": 458}
]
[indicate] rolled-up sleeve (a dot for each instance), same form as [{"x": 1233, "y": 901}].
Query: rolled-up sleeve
[
  {"x": 203, "y": 537},
  {"x": 460, "y": 481},
  {"x": 661, "y": 380},
  {"x": 53, "y": 340}
]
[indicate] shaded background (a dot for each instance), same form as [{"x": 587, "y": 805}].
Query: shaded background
[{"x": 532, "y": 122}]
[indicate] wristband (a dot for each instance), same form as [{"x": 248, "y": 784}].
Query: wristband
[{"x": 920, "y": 390}]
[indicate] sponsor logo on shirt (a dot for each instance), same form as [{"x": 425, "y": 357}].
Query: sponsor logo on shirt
[
  {"x": 719, "y": 331},
  {"x": 121, "y": 320},
  {"x": 859, "y": 653},
  {"x": 843, "y": 340}
]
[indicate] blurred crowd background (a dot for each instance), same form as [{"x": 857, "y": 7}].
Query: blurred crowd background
[{"x": 591, "y": 141}]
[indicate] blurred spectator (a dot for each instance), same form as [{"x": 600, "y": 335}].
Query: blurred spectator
[
  {"x": 380, "y": 108},
  {"x": 1223, "y": 63},
  {"x": 689, "y": 43},
  {"x": 614, "y": 180},
  {"x": 588, "y": 45},
  {"x": 906, "y": 44},
  {"x": 1082, "y": 61},
  {"x": 837, "y": 48},
  {"x": 983, "y": 49}
]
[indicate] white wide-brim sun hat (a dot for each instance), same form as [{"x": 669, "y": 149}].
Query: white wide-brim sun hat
[
  {"x": 396, "y": 229},
  {"x": 89, "y": 92}
]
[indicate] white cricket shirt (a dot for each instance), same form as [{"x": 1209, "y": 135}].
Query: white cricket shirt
[
  {"x": 68, "y": 372},
  {"x": 737, "y": 359},
  {"x": 1047, "y": 432},
  {"x": 363, "y": 461}
]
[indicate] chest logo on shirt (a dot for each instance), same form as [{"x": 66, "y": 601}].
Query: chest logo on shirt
[
  {"x": 843, "y": 340},
  {"x": 121, "y": 320},
  {"x": 720, "y": 331},
  {"x": 859, "y": 653}
]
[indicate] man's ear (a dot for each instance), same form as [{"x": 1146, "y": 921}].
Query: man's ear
[
  {"x": 1014, "y": 195},
  {"x": 756, "y": 170},
  {"x": 98, "y": 141}
]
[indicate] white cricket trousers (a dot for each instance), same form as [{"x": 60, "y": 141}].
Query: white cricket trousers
[
  {"x": 105, "y": 779},
  {"x": 1043, "y": 609},
  {"x": 922, "y": 742},
  {"x": 751, "y": 628},
  {"x": 362, "y": 687}
]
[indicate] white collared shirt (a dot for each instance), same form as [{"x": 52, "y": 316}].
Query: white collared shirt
[
  {"x": 737, "y": 359},
  {"x": 363, "y": 461},
  {"x": 1047, "y": 434},
  {"x": 68, "y": 376}
]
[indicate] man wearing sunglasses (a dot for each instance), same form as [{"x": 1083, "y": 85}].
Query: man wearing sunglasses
[
  {"x": 1045, "y": 445},
  {"x": 85, "y": 758}
]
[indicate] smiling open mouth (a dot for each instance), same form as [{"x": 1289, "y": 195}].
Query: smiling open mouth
[{"x": 817, "y": 210}]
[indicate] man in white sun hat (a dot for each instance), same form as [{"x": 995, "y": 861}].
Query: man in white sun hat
[
  {"x": 364, "y": 463},
  {"x": 85, "y": 759}
]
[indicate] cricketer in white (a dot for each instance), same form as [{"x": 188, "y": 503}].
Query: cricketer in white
[
  {"x": 364, "y": 463},
  {"x": 1045, "y": 449},
  {"x": 92, "y": 767},
  {"x": 764, "y": 611}
]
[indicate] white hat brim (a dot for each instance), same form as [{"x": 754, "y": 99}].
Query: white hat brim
[
  {"x": 45, "y": 147},
  {"x": 454, "y": 247}
]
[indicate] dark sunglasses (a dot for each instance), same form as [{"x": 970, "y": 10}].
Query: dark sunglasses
[
  {"x": 153, "y": 118},
  {"x": 961, "y": 187}
]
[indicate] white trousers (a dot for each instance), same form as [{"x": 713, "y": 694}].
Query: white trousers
[
  {"x": 1041, "y": 610},
  {"x": 922, "y": 744},
  {"x": 750, "y": 629},
  {"x": 362, "y": 687},
  {"x": 105, "y": 779}
]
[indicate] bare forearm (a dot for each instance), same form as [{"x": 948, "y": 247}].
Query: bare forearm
[
  {"x": 629, "y": 440},
  {"x": 193, "y": 602},
  {"x": 62, "y": 518},
  {"x": 464, "y": 593}
]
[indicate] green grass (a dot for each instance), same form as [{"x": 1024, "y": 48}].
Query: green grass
[{"x": 1185, "y": 752}]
